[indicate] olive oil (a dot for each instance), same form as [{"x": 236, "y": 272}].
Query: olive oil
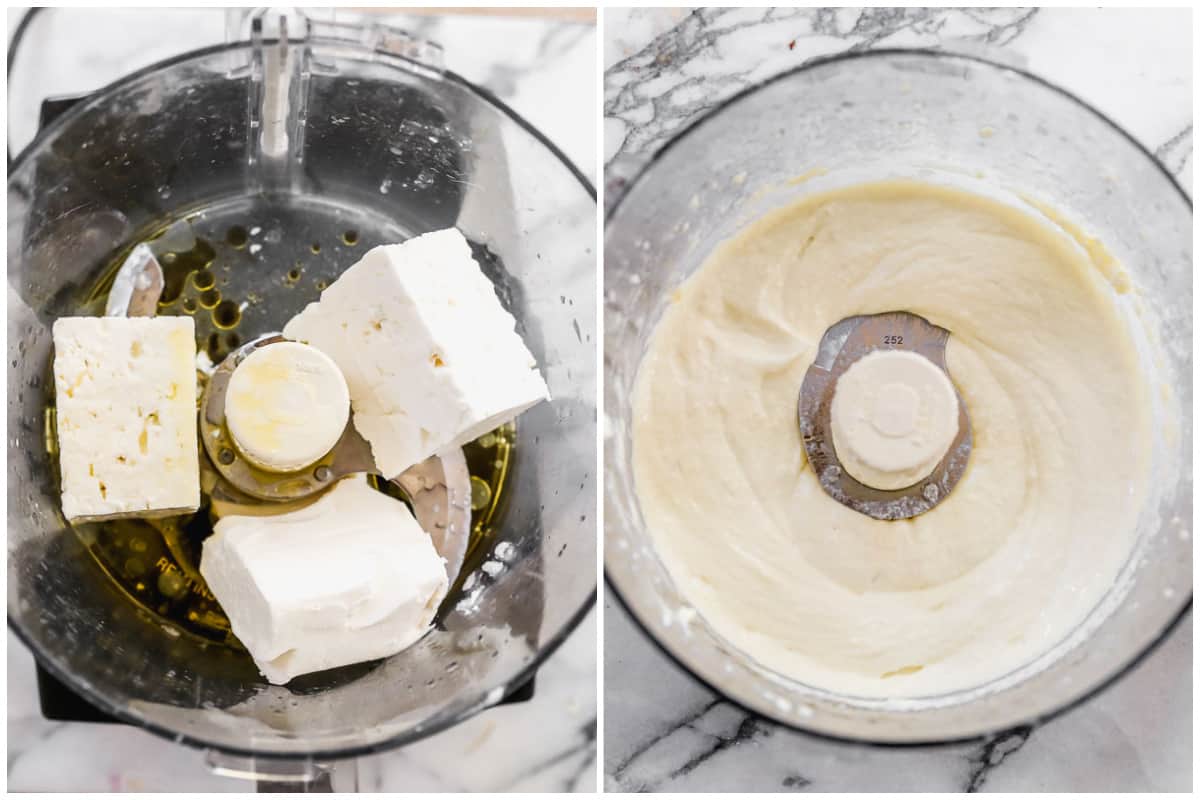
[
  {"x": 237, "y": 237},
  {"x": 177, "y": 270},
  {"x": 155, "y": 563},
  {"x": 204, "y": 279},
  {"x": 227, "y": 314}
]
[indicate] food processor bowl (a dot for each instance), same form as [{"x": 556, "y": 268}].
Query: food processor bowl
[
  {"x": 281, "y": 160},
  {"x": 938, "y": 117}
]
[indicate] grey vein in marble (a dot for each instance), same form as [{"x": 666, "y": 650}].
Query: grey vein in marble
[
  {"x": 579, "y": 755},
  {"x": 1176, "y": 152},
  {"x": 557, "y": 40},
  {"x": 992, "y": 753},
  {"x": 661, "y": 88}
]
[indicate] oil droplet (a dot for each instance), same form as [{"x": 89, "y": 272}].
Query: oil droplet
[
  {"x": 481, "y": 493},
  {"x": 204, "y": 279},
  {"x": 227, "y": 314},
  {"x": 237, "y": 237},
  {"x": 321, "y": 284},
  {"x": 171, "y": 584},
  {"x": 292, "y": 276},
  {"x": 177, "y": 269},
  {"x": 316, "y": 247},
  {"x": 189, "y": 305},
  {"x": 210, "y": 298},
  {"x": 214, "y": 349},
  {"x": 350, "y": 238}
]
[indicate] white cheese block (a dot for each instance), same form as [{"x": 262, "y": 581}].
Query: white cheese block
[
  {"x": 431, "y": 357},
  {"x": 126, "y": 411},
  {"x": 350, "y": 578},
  {"x": 286, "y": 406}
]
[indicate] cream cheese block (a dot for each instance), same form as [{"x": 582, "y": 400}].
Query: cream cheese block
[
  {"x": 349, "y": 578},
  {"x": 431, "y": 358},
  {"x": 126, "y": 416}
]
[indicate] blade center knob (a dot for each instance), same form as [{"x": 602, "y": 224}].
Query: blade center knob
[
  {"x": 286, "y": 406},
  {"x": 894, "y": 412},
  {"x": 893, "y": 417}
]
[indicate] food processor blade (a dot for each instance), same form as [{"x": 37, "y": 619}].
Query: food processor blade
[
  {"x": 843, "y": 344},
  {"x": 137, "y": 286},
  {"x": 438, "y": 489}
]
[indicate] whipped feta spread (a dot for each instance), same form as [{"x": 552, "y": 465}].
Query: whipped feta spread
[
  {"x": 349, "y": 578},
  {"x": 1030, "y": 539},
  {"x": 126, "y": 416},
  {"x": 431, "y": 357}
]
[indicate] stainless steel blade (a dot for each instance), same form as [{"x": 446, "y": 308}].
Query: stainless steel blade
[
  {"x": 137, "y": 286},
  {"x": 842, "y": 345},
  {"x": 438, "y": 488}
]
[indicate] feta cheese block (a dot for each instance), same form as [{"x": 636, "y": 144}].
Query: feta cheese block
[
  {"x": 349, "y": 578},
  {"x": 126, "y": 416},
  {"x": 431, "y": 358}
]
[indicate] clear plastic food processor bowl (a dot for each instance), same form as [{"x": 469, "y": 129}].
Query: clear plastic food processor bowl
[
  {"x": 290, "y": 155},
  {"x": 946, "y": 118}
]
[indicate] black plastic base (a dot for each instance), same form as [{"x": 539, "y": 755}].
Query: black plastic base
[{"x": 61, "y": 704}]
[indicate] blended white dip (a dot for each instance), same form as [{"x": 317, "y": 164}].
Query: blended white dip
[{"x": 1034, "y": 533}]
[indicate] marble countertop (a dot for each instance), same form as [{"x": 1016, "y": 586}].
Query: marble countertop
[
  {"x": 663, "y": 69},
  {"x": 544, "y": 70}
]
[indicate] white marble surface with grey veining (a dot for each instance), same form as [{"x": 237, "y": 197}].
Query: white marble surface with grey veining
[
  {"x": 546, "y": 71},
  {"x": 665, "y": 67},
  {"x": 664, "y": 731}
]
